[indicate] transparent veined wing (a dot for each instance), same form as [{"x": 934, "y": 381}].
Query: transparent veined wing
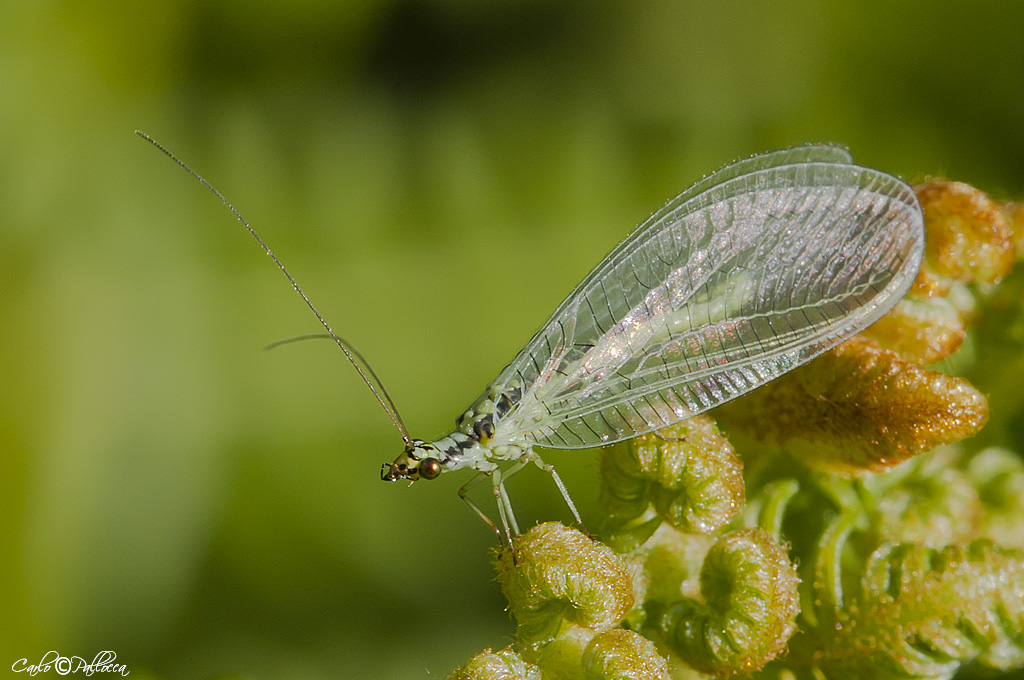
[{"x": 751, "y": 272}]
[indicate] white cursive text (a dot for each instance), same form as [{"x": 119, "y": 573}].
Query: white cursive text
[{"x": 64, "y": 665}]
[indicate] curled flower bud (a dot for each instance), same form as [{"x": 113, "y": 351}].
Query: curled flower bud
[
  {"x": 968, "y": 235},
  {"x": 749, "y": 607},
  {"x": 688, "y": 473},
  {"x": 620, "y": 654},
  {"x": 500, "y": 665},
  {"x": 971, "y": 239},
  {"x": 920, "y": 331},
  {"x": 557, "y": 575},
  {"x": 861, "y": 407}
]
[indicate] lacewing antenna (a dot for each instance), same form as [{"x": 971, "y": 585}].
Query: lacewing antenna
[
  {"x": 355, "y": 358},
  {"x": 308, "y": 336}
]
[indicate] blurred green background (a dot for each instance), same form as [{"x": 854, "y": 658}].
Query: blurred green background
[{"x": 438, "y": 175}]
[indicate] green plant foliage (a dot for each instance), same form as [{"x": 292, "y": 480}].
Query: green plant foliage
[
  {"x": 923, "y": 612},
  {"x": 868, "y": 533}
]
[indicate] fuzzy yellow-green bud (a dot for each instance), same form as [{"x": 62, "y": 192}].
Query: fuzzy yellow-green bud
[
  {"x": 620, "y": 654},
  {"x": 859, "y": 407},
  {"x": 501, "y": 665},
  {"x": 748, "y": 610},
  {"x": 556, "y": 576},
  {"x": 969, "y": 237},
  {"x": 687, "y": 475},
  {"x": 922, "y": 331}
]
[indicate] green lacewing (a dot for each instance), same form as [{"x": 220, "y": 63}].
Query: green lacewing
[{"x": 751, "y": 272}]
